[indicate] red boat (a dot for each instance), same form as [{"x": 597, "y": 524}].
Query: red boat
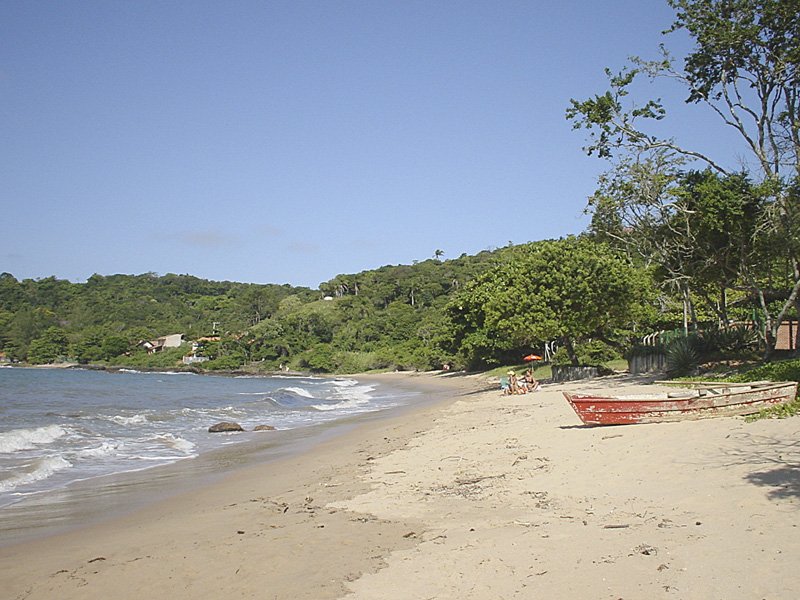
[{"x": 710, "y": 399}]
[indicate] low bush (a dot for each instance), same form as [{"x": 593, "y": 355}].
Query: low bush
[
  {"x": 222, "y": 363},
  {"x": 733, "y": 339},
  {"x": 596, "y": 353},
  {"x": 784, "y": 370},
  {"x": 166, "y": 359},
  {"x": 590, "y": 354}
]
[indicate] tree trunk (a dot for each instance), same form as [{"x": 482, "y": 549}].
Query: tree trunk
[
  {"x": 685, "y": 319},
  {"x": 768, "y": 335},
  {"x": 723, "y": 305},
  {"x": 690, "y": 306},
  {"x": 689, "y": 314},
  {"x": 573, "y": 357}
]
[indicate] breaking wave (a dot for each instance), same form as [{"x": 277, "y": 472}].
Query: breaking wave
[
  {"x": 41, "y": 469},
  {"x": 25, "y": 439}
]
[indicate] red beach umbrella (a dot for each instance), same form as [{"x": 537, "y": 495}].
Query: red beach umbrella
[{"x": 531, "y": 357}]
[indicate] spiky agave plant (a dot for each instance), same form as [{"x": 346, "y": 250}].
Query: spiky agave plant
[
  {"x": 737, "y": 338},
  {"x": 683, "y": 356}
]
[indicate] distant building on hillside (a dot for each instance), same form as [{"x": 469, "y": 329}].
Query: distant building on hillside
[{"x": 160, "y": 344}]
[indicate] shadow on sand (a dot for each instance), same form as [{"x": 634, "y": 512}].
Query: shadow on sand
[
  {"x": 779, "y": 460},
  {"x": 784, "y": 481}
]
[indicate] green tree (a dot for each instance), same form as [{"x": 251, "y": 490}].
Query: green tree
[
  {"x": 113, "y": 346},
  {"x": 745, "y": 67},
  {"x": 697, "y": 227},
  {"x": 568, "y": 290},
  {"x": 88, "y": 348},
  {"x": 49, "y": 347},
  {"x": 720, "y": 218}
]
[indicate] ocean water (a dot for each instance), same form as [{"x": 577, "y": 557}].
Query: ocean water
[{"x": 62, "y": 426}]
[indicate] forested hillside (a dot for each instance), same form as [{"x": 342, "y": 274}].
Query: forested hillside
[
  {"x": 592, "y": 296},
  {"x": 42, "y": 320},
  {"x": 391, "y": 316}
]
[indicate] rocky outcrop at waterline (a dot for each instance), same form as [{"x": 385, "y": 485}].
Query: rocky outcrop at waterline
[
  {"x": 228, "y": 427},
  {"x": 225, "y": 427}
]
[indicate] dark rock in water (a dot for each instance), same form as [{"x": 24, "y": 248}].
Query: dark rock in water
[
  {"x": 264, "y": 428},
  {"x": 225, "y": 427}
]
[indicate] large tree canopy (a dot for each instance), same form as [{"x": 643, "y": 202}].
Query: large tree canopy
[
  {"x": 567, "y": 290},
  {"x": 744, "y": 66}
]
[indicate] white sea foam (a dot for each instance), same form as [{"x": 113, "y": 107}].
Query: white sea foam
[
  {"x": 178, "y": 443},
  {"x": 300, "y": 392},
  {"x": 134, "y": 420},
  {"x": 345, "y": 382},
  {"x": 41, "y": 469},
  {"x": 25, "y": 439},
  {"x": 104, "y": 449},
  {"x": 349, "y": 397},
  {"x": 358, "y": 393}
]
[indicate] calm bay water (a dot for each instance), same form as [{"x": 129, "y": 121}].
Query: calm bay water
[{"x": 61, "y": 426}]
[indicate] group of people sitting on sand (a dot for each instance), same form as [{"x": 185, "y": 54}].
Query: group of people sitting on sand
[{"x": 516, "y": 385}]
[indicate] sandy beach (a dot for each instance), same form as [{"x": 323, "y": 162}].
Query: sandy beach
[{"x": 478, "y": 496}]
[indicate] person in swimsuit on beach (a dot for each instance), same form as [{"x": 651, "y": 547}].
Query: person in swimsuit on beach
[
  {"x": 514, "y": 385},
  {"x": 530, "y": 381}
]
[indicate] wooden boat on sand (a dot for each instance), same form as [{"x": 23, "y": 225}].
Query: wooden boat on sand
[{"x": 708, "y": 399}]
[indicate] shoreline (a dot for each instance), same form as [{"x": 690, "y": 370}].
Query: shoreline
[
  {"x": 475, "y": 495},
  {"x": 260, "y": 505},
  {"x": 104, "y": 497}
]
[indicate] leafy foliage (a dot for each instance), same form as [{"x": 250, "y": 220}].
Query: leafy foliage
[
  {"x": 732, "y": 339},
  {"x": 785, "y": 370},
  {"x": 569, "y": 290},
  {"x": 715, "y": 228},
  {"x": 387, "y": 318},
  {"x": 106, "y": 316},
  {"x": 782, "y": 370},
  {"x": 48, "y": 347}
]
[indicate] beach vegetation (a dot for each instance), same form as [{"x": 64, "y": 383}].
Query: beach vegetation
[
  {"x": 49, "y": 347},
  {"x": 724, "y": 237},
  {"x": 594, "y": 353},
  {"x": 387, "y": 318},
  {"x": 167, "y": 359},
  {"x": 571, "y": 290},
  {"x": 683, "y": 355},
  {"x": 780, "y": 370}
]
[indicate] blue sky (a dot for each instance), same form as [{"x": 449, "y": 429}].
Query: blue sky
[{"x": 289, "y": 141}]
